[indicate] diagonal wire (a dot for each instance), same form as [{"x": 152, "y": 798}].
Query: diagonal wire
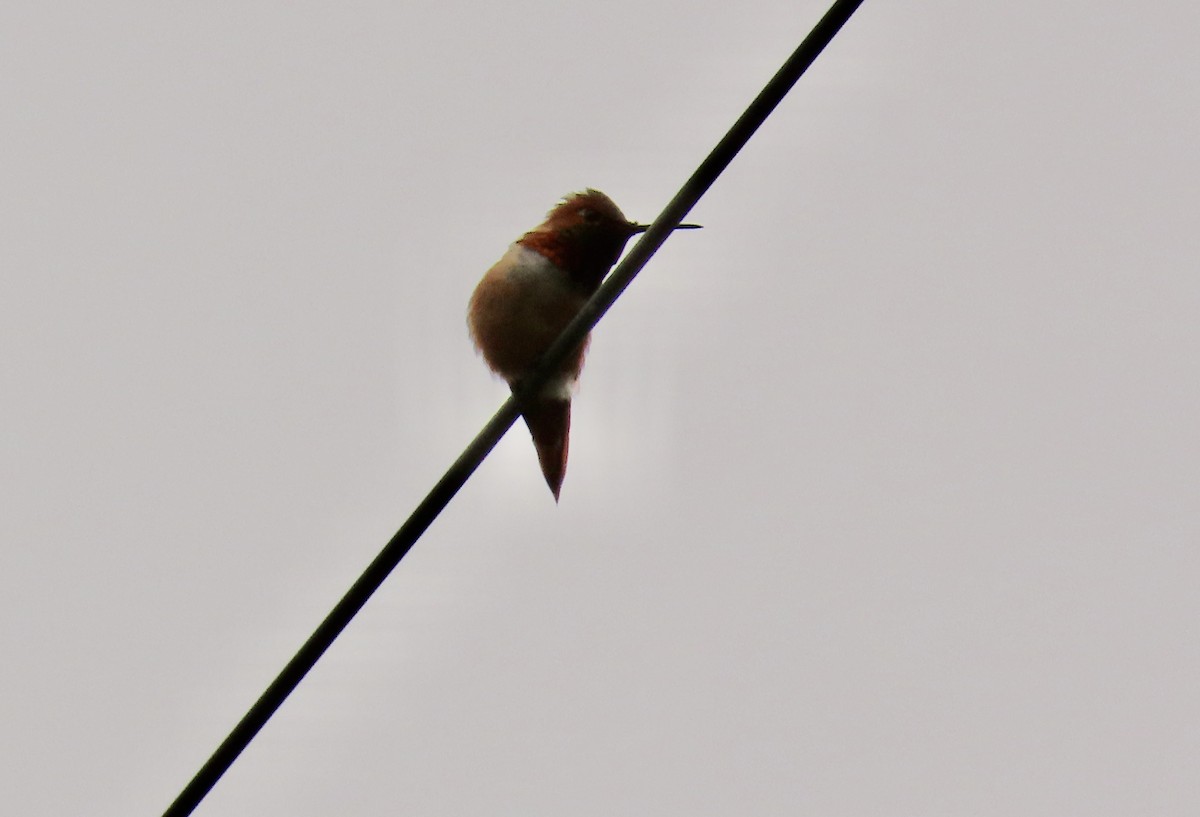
[{"x": 458, "y": 473}]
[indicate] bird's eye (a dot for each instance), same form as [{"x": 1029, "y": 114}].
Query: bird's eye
[{"x": 589, "y": 215}]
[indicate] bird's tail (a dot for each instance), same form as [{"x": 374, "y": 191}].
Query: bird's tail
[{"x": 549, "y": 422}]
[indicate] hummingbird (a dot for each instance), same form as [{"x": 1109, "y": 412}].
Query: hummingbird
[{"x": 528, "y": 297}]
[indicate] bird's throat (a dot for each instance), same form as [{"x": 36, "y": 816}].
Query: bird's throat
[{"x": 585, "y": 265}]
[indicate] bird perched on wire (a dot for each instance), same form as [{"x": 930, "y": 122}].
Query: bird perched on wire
[{"x": 529, "y": 296}]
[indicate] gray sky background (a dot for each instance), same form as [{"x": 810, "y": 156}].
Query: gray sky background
[{"x": 883, "y": 497}]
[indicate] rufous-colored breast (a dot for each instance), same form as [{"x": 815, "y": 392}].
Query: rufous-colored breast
[{"x": 519, "y": 308}]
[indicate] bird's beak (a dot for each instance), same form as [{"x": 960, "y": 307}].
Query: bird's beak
[{"x": 635, "y": 228}]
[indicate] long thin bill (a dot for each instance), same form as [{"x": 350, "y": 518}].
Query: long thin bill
[{"x": 641, "y": 228}]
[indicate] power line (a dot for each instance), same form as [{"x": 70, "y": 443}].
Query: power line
[{"x": 458, "y": 473}]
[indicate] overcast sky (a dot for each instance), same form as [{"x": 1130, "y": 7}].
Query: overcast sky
[{"x": 883, "y": 495}]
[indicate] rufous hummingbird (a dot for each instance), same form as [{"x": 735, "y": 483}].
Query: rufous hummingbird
[{"x": 524, "y": 302}]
